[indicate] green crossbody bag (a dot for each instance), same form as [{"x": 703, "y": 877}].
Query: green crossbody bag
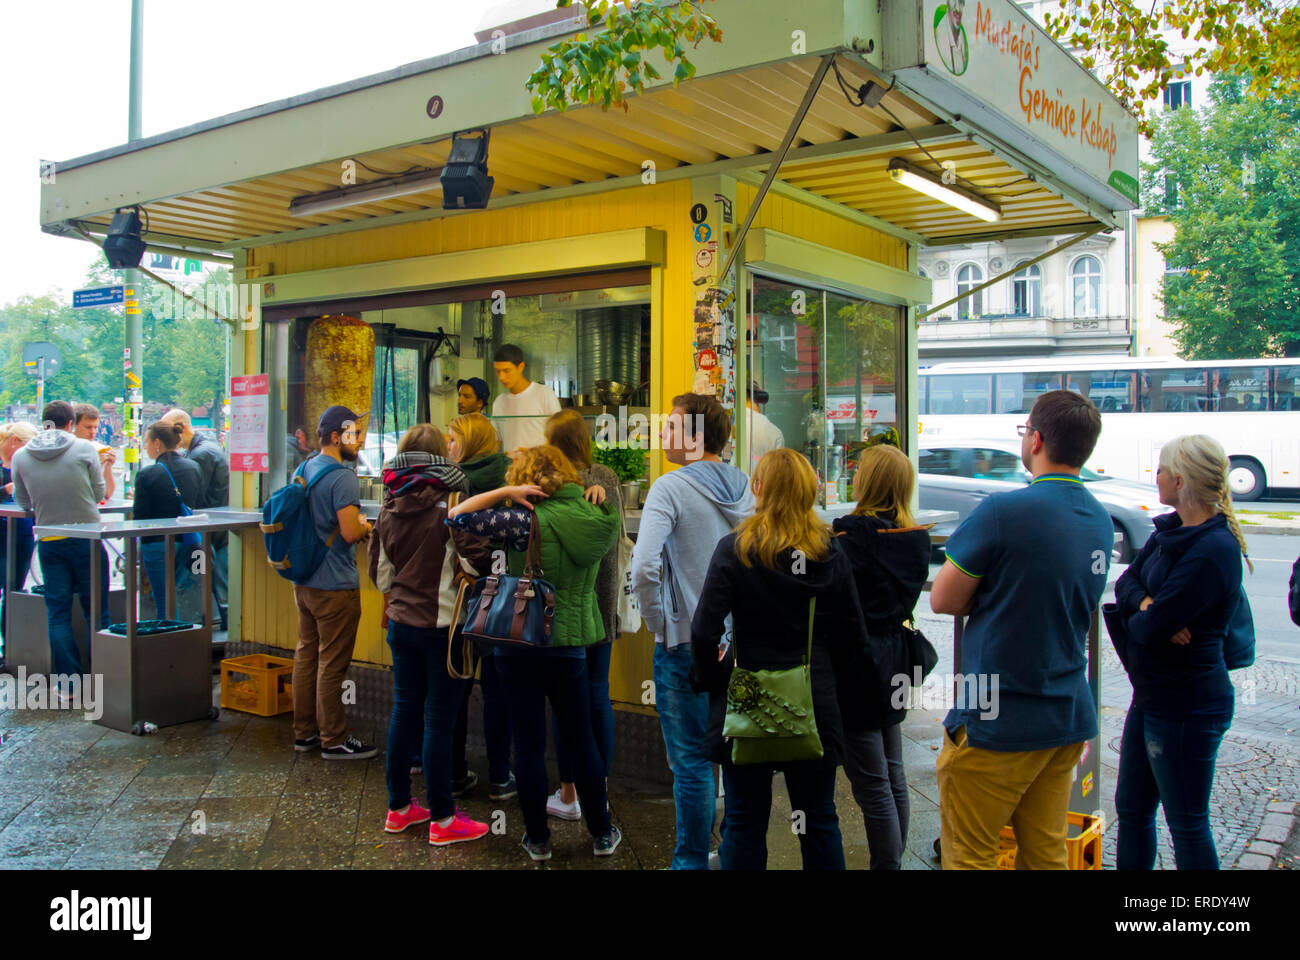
[{"x": 770, "y": 712}]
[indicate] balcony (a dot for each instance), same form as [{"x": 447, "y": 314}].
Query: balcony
[{"x": 1014, "y": 335}]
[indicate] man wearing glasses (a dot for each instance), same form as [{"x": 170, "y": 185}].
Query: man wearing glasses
[{"x": 1027, "y": 568}]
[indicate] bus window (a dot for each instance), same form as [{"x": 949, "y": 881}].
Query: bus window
[
  {"x": 1283, "y": 393},
  {"x": 1235, "y": 389},
  {"x": 960, "y": 393},
  {"x": 1175, "y": 390},
  {"x": 1111, "y": 390},
  {"x": 1018, "y": 391}
]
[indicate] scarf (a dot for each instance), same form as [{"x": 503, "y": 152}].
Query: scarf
[{"x": 413, "y": 470}]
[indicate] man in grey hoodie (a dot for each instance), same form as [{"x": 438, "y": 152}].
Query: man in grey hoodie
[
  {"x": 685, "y": 515},
  {"x": 59, "y": 476}
]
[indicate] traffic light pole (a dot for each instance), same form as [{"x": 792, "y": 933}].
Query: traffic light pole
[{"x": 133, "y": 355}]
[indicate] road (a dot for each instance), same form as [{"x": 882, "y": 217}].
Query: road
[{"x": 1276, "y": 637}]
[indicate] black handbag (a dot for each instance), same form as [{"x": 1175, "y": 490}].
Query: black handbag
[
  {"x": 514, "y": 610},
  {"x": 1117, "y": 629},
  {"x": 921, "y": 654}
]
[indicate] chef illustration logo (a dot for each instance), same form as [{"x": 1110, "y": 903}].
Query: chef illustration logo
[{"x": 950, "y": 36}]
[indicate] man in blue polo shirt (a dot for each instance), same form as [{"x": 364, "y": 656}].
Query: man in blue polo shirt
[{"x": 1027, "y": 568}]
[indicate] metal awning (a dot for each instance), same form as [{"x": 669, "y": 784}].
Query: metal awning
[{"x": 228, "y": 183}]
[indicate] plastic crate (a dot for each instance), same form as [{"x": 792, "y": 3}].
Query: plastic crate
[
  {"x": 257, "y": 684},
  {"x": 1082, "y": 844}
]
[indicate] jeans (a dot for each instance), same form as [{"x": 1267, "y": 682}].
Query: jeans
[
  {"x": 496, "y": 727},
  {"x": 1168, "y": 761},
  {"x": 154, "y": 556},
  {"x": 684, "y": 718},
  {"x": 873, "y": 762},
  {"x": 811, "y": 786},
  {"x": 220, "y": 582},
  {"x": 421, "y": 688},
  {"x": 529, "y": 680},
  {"x": 66, "y": 567},
  {"x": 602, "y": 714},
  {"x": 24, "y": 547}
]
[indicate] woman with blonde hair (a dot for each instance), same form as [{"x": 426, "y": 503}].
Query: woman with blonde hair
[
  {"x": 473, "y": 443},
  {"x": 13, "y": 436},
  {"x": 573, "y": 536},
  {"x": 1175, "y": 601},
  {"x": 569, "y": 433},
  {"x": 891, "y": 562},
  {"x": 789, "y": 591}
]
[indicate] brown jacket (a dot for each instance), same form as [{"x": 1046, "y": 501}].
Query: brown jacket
[{"x": 414, "y": 556}]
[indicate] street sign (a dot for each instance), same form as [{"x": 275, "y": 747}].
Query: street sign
[
  {"x": 97, "y": 296},
  {"x": 33, "y": 353}
]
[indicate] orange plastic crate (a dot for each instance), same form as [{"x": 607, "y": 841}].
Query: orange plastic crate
[
  {"x": 258, "y": 684},
  {"x": 1082, "y": 844}
]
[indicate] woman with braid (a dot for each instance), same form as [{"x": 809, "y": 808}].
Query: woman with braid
[{"x": 1176, "y": 600}]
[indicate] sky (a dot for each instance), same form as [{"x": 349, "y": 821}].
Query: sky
[{"x": 65, "y": 69}]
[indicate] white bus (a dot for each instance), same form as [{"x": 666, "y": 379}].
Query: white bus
[{"x": 1249, "y": 406}]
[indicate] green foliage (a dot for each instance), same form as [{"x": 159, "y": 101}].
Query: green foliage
[
  {"x": 1233, "y": 286},
  {"x": 1121, "y": 40},
  {"x": 629, "y": 463},
  {"x": 599, "y": 69}
]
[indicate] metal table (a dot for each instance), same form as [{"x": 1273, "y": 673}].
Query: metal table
[{"x": 163, "y": 678}]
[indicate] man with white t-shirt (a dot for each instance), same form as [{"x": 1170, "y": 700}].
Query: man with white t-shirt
[
  {"x": 764, "y": 434},
  {"x": 520, "y": 414}
]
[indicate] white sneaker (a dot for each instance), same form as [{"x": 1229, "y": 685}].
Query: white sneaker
[
  {"x": 555, "y": 807},
  {"x": 715, "y": 860}
]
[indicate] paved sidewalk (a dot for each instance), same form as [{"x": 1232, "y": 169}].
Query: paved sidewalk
[{"x": 232, "y": 794}]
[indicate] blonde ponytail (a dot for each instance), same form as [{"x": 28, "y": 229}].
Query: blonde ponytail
[{"x": 1203, "y": 465}]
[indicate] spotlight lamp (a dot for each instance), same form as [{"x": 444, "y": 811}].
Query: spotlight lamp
[
  {"x": 123, "y": 246},
  {"x": 465, "y": 181}
]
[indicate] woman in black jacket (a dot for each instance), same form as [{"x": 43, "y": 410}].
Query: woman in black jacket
[
  {"x": 1175, "y": 602},
  {"x": 891, "y": 561},
  {"x": 765, "y": 577},
  {"x": 159, "y": 491}
]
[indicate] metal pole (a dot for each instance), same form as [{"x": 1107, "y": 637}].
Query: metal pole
[
  {"x": 133, "y": 357},
  {"x": 40, "y": 388}
]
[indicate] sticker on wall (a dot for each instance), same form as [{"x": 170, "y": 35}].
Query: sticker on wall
[
  {"x": 706, "y": 360},
  {"x": 1087, "y": 783},
  {"x": 1087, "y": 748},
  {"x": 704, "y": 258},
  {"x": 699, "y": 213},
  {"x": 702, "y": 233},
  {"x": 726, "y": 207}
]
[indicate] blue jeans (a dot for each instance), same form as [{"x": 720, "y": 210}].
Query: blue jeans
[
  {"x": 602, "y": 714},
  {"x": 496, "y": 727},
  {"x": 421, "y": 688},
  {"x": 529, "y": 680},
  {"x": 811, "y": 786},
  {"x": 65, "y": 565},
  {"x": 1168, "y": 761},
  {"x": 154, "y": 557},
  {"x": 220, "y": 581},
  {"x": 684, "y": 718},
  {"x": 24, "y": 546}
]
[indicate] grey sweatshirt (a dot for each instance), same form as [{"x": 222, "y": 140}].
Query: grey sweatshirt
[
  {"x": 685, "y": 515},
  {"x": 59, "y": 477}
]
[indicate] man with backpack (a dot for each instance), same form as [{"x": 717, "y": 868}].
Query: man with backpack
[{"x": 329, "y": 596}]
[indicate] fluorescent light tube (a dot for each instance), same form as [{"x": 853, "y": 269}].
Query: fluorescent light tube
[
  {"x": 418, "y": 182},
  {"x": 900, "y": 171}
]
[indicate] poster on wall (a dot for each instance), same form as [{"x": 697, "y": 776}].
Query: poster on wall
[{"x": 248, "y": 417}]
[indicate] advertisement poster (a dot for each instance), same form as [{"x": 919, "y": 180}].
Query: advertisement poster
[{"x": 248, "y": 409}]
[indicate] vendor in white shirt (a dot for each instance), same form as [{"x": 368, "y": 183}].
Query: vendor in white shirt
[
  {"x": 524, "y": 407},
  {"x": 764, "y": 434}
]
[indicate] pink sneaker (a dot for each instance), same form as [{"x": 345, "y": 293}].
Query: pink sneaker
[
  {"x": 460, "y": 829},
  {"x": 397, "y": 822}
]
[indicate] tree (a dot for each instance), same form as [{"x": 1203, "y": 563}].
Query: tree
[
  {"x": 1228, "y": 178},
  {"x": 598, "y": 69},
  {"x": 1121, "y": 39}
]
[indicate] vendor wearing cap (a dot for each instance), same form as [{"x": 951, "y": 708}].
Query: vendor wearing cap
[
  {"x": 764, "y": 435},
  {"x": 329, "y": 601}
]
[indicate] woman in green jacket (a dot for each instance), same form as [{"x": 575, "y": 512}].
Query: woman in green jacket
[{"x": 573, "y": 537}]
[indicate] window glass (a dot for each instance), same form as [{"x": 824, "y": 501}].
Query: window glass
[
  {"x": 1026, "y": 292},
  {"x": 960, "y": 393},
  {"x": 1018, "y": 391},
  {"x": 993, "y": 464},
  {"x": 1086, "y": 277},
  {"x": 1113, "y": 391},
  {"x": 1283, "y": 389},
  {"x": 973, "y": 306},
  {"x": 1235, "y": 389},
  {"x": 940, "y": 461},
  {"x": 1174, "y": 391}
]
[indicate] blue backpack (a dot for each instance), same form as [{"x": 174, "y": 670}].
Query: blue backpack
[{"x": 293, "y": 547}]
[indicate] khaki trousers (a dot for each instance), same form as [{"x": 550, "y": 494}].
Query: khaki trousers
[
  {"x": 327, "y": 634},
  {"x": 982, "y": 791}
]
